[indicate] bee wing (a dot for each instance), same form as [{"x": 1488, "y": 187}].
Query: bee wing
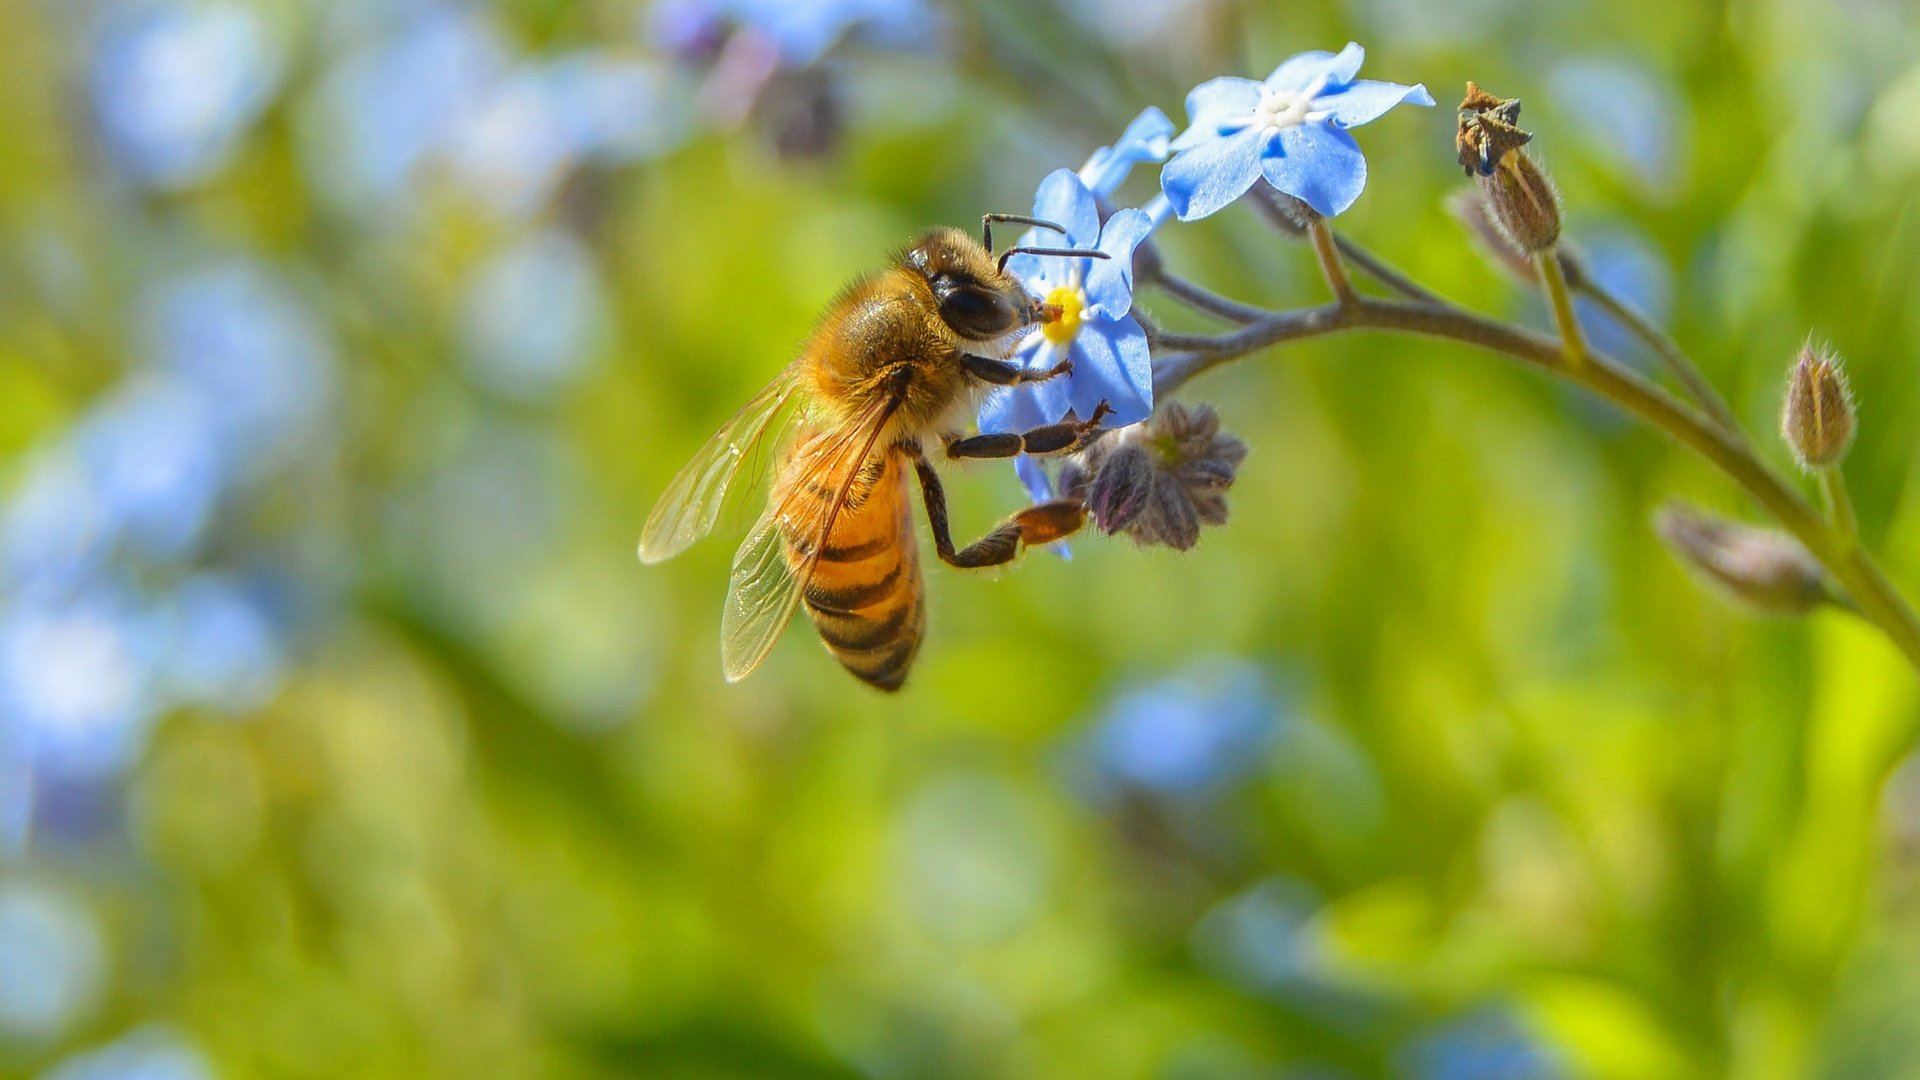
[
  {"x": 687, "y": 510},
  {"x": 767, "y": 585}
]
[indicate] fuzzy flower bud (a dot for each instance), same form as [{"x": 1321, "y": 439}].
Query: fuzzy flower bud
[
  {"x": 1522, "y": 200},
  {"x": 1766, "y": 569},
  {"x": 1469, "y": 207},
  {"x": 1161, "y": 480},
  {"x": 1817, "y": 418}
]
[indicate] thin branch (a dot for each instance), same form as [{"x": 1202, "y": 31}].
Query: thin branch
[
  {"x": 1849, "y": 563},
  {"x": 1202, "y": 299},
  {"x": 1377, "y": 269},
  {"x": 1676, "y": 360}
]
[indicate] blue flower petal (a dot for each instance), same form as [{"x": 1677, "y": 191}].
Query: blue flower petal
[
  {"x": 1110, "y": 282},
  {"x": 1147, "y": 135},
  {"x": 1040, "y": 274},
  {"x": 1034, "y": 476},
  {"x": 1368, "y": 99},
  {"x": 1111, "y": 363},
  {"x": 1031, "y": 405},
  {"x": 1302, "y": 70},
  {"x": 1146, "y": 139},
  {"x": 1319, "y": 164},
  {"x": 1065, "y": 201},
  {"x": 1212, "y": 173},
  {"x": 1213, "y": 103}
]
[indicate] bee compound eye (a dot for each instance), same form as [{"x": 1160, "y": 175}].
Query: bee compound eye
[{"x": 975, "y": 312}]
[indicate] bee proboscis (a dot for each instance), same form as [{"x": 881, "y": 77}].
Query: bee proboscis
[{"x": 895, "y": 363}]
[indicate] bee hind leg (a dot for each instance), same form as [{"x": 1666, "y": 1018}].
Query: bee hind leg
[{"x": 1040, "y": 524}]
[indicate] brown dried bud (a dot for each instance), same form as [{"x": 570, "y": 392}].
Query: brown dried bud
[
  {"x": 1817, "y": 418},
  {"x": 1161, "y": 480},
  {"x": 1765, "y": 568},
  {"x": 1489, "y": 130},
  {"x": 1519, "y": 197}
]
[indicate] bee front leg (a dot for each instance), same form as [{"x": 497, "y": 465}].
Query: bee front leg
[
  {"x": 1007, "y": 373},
  {"x": 1062, "y": 438},
  {"x": 1041, "y": 524}
]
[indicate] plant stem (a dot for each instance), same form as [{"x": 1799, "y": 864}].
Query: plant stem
[
  {"x": 1377, "y": 269},
  {"x": 1554, "y": 281},
  {"x": 1833, "y": 485},
  {"x": 1206, "y": 300},
  {"x": 1846, "y": 560},
  {"x": 1328, "y": 253},
  {"x": 1676, "y": 360}
]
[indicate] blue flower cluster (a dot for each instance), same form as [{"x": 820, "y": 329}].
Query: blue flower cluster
[
  {"x": 115, "y": 606},
  {"x": 1290, "y": 130}
]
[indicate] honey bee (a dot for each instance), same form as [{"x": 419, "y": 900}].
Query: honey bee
[{"x": 896, "y": 362}]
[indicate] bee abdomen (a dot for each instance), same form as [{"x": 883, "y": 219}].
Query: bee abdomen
[
  {"x": 864, "y": 594},
  {"x": 870, "y": 616}
]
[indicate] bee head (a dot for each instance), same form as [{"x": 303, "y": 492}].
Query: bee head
[{"x": 975, "y": 298}]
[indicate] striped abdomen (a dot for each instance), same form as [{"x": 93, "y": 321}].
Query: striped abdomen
[{"x": 865, "y": 597}]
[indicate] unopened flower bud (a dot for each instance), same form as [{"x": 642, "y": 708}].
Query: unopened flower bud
[
  {"x": 1817, "y": 418},
  {"x": 1161, "y": 480},
  {"x": 1469, "y": 206},
  {"x": 1766, "y": 569},
  {"x": 1520, "y": 198}
]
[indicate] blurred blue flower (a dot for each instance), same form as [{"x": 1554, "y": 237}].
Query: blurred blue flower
[
  {"x": 1145, "y": 139},
  {"x": 1141, "y": 23},
  {"x": 515, "y": 145},
  {"x": 16, "y": 795},
  {"x": 1488, "y": 1045},
  {"x": 1262, "y": 938},
  {"x": 800, "y": 31},
  {"x": 531, "y": 315},
  {"x": 154, "y": 466},
  {"x": 617, "y": 109},
  {"x": 151, "y": 1052},
  {"x": 76, "y": 682},
  {"x": 53, "y": 527},
  {"x": 1106, "y": 344},
  {"x": 1292, "y": 129},
  {"x": 1629, "y": 113},
  {"x": 219, "y": 647},
  {"x": 238, "y": 336},
  {"x": 176, "y": 85},
  {"x": 1189, "y": 733},
  {"x": 51, "y": 963},
  {"x": 1625, "y": 262},
  {"x": 380, "y": 114}
]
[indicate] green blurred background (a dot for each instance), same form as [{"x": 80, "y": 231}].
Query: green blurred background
[{"x": 344, "y": 347}]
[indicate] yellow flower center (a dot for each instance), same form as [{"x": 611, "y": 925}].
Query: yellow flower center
[{"x": 1073, "y": 305}]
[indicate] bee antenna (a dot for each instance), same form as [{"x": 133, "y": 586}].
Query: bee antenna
[
  {"x": 1077, "y": 253},
  {"x": 987, "y": 220}
]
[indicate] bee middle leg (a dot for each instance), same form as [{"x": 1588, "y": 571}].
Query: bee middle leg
[
  {"x": 1041, "y": 524},
  {"x": 1006, "y": 373},
  {"x": 1059, "y": 438}
]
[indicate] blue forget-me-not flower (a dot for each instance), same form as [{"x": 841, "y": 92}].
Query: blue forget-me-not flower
[
  {"x": 1291, "y": 129},
  {"x": 1094, "y": 328}
]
